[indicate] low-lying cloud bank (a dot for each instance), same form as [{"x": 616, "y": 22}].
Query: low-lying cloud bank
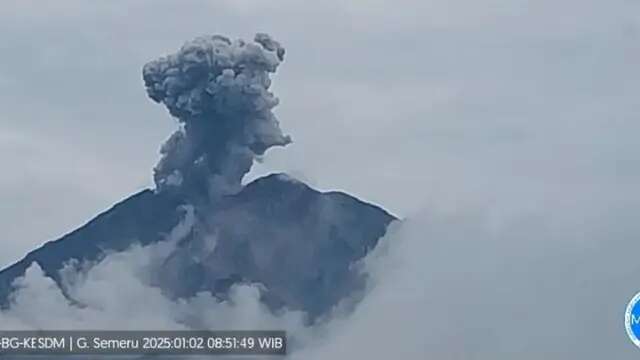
[
  {"x": 461, "y": 285},
  {"x": 117, "y": 293},
  {"x": 469, "y": 286}
]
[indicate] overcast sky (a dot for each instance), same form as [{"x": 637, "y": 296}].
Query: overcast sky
[{"x": 518, "y": 105}]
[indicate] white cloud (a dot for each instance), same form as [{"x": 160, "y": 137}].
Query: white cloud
[
  {"x": 116, "y": 293},
  {"x": 469, "y": 285}
]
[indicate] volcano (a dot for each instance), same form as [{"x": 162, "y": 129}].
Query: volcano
[{"x": 300, "y": 245}]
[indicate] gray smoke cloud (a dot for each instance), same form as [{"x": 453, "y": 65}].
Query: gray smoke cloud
[{"x": 218, "y": 90}]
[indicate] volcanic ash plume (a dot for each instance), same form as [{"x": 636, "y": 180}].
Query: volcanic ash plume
[{"x": 218, "y": 90}]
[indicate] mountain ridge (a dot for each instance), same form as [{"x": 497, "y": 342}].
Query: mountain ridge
[{"x": 325, "y": 231}]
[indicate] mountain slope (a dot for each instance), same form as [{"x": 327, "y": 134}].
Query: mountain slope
[
  {"x": 298, "y": 242},
  {"x": 144, "y": 218}
]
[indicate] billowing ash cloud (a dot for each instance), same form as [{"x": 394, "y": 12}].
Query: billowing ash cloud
[{"x": 218, "y": 90}]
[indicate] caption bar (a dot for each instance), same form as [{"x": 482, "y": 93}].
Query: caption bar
[{"x": 143, "y": 343}]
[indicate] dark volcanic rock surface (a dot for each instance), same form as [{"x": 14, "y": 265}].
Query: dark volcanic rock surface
[
  {"x": 298, "y": 242},
  {"x": 144, "y": 218}
]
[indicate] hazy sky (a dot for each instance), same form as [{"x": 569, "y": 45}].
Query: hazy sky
[
  {"x": 518, "y": 105},
  {"x": 516, "y": 119}
]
